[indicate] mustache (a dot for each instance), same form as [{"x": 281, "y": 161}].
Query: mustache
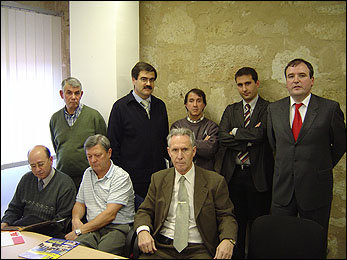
[{"x": 148, "y": 87}]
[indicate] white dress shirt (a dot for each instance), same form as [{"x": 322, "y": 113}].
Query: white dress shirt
[
  {"x": 302, "y": 109},
  {"x": 234, "y": 130},
  {"x": 168, "y": 228}
]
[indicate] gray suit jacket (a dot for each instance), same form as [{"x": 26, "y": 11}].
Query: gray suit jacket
[
  {"x": 212, "y": 207},
  {"x": 306, "y": 166},
  {"x": 260, "y": 153}
]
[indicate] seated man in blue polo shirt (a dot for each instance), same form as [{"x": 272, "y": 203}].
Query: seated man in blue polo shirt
[{"x": 106, "y": 194}]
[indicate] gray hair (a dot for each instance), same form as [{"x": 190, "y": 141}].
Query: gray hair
[
  {"x": 97, "y": 139},
  {"x": 73, "y": 82},
  {"x": 179, "y": 132}
]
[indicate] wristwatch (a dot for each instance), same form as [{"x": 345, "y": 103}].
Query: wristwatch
[
  {"x": 232, "y": 241},
  {"x": 78, "y": 232}
]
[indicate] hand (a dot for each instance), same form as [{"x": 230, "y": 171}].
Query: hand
[
  {"x": 224, "y": 250},
  {"x": 207, "y": 137},
  {"x": 71, "y": 236},
  {"x": 4, "y": 225},
  {"x": 257, "y": 125},
  {"x": 146, "y": 242},
  {"x": 76, "y": 224}
]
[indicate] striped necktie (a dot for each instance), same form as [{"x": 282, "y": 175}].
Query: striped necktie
[
  {"x": 145, "y": 104},
  {"x": 243, "y": 156}
]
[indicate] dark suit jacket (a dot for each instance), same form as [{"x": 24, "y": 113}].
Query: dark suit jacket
[
  {"x": 138, "y": 143},
  {"x": 212, "y": 207},
  {"x": 305, "y": 166},
  {"x": 260, "y": 153}
]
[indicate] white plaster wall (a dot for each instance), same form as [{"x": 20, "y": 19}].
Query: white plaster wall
[{"x": 104, "y": 43}]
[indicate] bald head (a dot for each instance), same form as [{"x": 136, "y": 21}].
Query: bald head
[
  {"x": 39, "y": 148},
  {"x": 40, "y": 161}
]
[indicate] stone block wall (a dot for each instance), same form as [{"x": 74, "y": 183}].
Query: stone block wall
[{"x": 201, "y": 44}]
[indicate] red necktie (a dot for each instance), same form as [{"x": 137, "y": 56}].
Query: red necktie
[{"x": 297, "y": 123}]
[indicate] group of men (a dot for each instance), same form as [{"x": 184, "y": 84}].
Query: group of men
[{"x": 263, "y": 158}]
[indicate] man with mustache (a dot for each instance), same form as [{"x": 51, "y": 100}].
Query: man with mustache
[
  {"x": 70, "y": 127},
  {"x": 137, "y": 129},
  {"x": 248, "y": 161},
  {"x": 308, "y": 136}
]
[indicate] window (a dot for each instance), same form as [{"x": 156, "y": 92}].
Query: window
[{"x": 31, "y": 74}]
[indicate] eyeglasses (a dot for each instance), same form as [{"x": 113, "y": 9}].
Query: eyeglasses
[
  {"x": 145, "y": 80},
  {"x": 34, "y": 166}
]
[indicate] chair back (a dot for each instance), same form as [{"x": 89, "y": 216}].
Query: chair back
[
  {"x": 286, "y": 237},
  {"x": 131, "y": 247}
]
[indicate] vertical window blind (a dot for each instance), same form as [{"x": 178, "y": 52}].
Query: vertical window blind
[{"x": 31, "y": 73}]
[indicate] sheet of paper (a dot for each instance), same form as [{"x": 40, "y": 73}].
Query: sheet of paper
[{"x": 11, "y": 238}]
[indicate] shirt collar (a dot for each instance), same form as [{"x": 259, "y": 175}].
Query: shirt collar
[
  {"x": 107, "y": 175},
  {"x": 49, "y": 177},
  {"x": 189, "y": 175},
  {"x": 252, "y": 103},
  {"x": 306, "y": 101},
  {"x": 77, "y": 111},
  {"x": 139, "y": 99},
  {"x": 196, "y": 121}
]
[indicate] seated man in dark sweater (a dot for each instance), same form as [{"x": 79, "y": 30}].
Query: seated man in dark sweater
[{"x": 42, "y": 194}]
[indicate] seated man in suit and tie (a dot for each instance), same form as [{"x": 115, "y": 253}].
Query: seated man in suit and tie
[
  {"x": 187, "y": 212},
  {"x": 42, "y": 194}
]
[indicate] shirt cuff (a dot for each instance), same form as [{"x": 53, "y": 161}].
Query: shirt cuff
[
  {"x": 141, "y": 228},
  {"x": 234, "y": 131}
]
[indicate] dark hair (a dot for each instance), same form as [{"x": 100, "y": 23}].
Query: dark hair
[
  {"x": 296, "y": 62},
  {"x": 197, "y": 91},
  {"x": 48, "y": 152},
  {"x": 142, "y": 66},
  {"x": 247, "y": 71}
]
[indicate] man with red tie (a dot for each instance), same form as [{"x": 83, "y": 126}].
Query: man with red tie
[{"x": 307, "y": 135}]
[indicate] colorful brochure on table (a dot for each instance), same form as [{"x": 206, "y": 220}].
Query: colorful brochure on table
[{"x": 52, "y": 248}]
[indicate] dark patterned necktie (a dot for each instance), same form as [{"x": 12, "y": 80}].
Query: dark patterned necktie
[
  {"x": 243, "y": 156},
  {"x": 40, "y": 185}
]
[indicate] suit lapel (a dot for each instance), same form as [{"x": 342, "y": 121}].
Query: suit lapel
[
  {"x": 200, "y": 191},
  {"x": 255, "y": 115},
  {"x": 284, "y": 112},
  {"x": 311, "y": 113},
  {"x": 239, "y": 121},
  {"x": 167, "y": 190}
]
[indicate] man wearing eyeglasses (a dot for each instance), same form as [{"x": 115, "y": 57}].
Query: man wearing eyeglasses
[
  {"x": 137, "y": 129},
  {"x": 42, "y": 194}
]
